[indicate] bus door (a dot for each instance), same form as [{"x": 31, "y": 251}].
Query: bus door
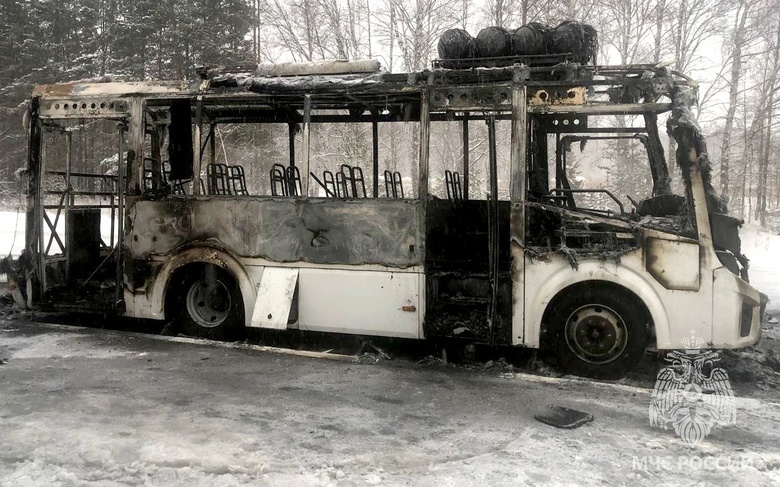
[
  {"x": 467, "y": 249},
  {"x": 76, "y": 166}
]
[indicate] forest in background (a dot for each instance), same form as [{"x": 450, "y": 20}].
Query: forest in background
[{"x": 731, "y": 47}]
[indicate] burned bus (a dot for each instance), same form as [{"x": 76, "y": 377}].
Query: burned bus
[{"x": 163, "y": 225}]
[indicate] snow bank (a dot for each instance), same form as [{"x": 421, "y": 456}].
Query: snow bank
[
  {"x": 12, "y": 231},
  {"x": 763, "y": 250}
]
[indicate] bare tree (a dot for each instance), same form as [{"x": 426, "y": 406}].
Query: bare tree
[
  {"x": 692, "y": 24},
  {"x": 628, "y": 27},
  {"x": 658, "y": 32},
  {"x": 551, "y": 11},
  {"x": 414, "y": 26},
  {"x": 349, "y": 26},
  {"x": 504, "y": 13},
  {"x": 296, "y": 26},
  {"x": 737, "y": 41},
  {"x": 766, "y": 138}
]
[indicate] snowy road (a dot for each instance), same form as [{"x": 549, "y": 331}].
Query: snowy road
[{"x": 88, "y": 407}]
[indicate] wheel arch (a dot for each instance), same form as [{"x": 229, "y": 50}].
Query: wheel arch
[
  {"x": 587, "y": 284},
  {"x": 589, "y": 273},
  {"x": 198, "y": 254}
]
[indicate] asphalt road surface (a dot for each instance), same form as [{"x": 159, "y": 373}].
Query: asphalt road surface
[{"x": 84, "y": 407}]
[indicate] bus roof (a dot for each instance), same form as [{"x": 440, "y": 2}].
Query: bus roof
[{"x": 351, "y": 85}]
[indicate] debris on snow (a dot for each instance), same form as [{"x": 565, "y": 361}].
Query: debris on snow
[
  {"x": 431, "y": 360},
  {"x": 565, "y": 418}
]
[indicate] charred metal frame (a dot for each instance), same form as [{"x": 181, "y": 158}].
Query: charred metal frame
[{"x": 557, "y": 99}]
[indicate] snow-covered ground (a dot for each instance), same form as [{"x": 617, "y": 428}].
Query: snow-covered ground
[
  {"x": 12, "y": 230},
  {"x": 763, "y": 250},
  {"x": 87, "y": 407}
]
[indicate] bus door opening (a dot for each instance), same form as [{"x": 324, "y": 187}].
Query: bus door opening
[{"x": 467, "y": 252}]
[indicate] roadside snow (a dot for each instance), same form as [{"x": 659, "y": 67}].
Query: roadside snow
[
  {"x": 12, "y": 230},
  {"x": 763, "y": 250}
]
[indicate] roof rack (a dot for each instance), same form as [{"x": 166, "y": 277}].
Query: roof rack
[{"x": 505, "y": 61}]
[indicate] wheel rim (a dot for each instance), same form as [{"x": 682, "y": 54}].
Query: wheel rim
[
  {"x": 208, "y": 302},
  {"x": 596, "y": 334}
]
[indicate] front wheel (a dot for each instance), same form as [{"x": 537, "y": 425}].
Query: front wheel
[
  {"x": 600, "y": 331},
  {"x": 209, "y": 304}
]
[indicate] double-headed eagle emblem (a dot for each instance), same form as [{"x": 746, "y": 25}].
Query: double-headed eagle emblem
[{"x": 691, "y": 394}]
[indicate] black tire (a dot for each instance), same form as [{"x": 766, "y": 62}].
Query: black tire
[
  {"x": 599, "y": 330},
  {"x": 207, "y": 303}
]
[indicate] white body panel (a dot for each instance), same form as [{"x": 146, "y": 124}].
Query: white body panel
[
  {"x": 361, "y": 302},
  {"x": 683, "y": 273},
  {"x": 730, "y": 293},
  {"x": 675, "y": 313},
  {"x": 710, "y": 309},
  {"x": 368, "y": 299},
  {"x": 274, "y": 298}
]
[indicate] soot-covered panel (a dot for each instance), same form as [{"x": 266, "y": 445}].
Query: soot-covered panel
[{"x": 365, "y": 231}]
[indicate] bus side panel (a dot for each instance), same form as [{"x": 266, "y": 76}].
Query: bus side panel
[
  {"x": 676, "y": 314},
  {"x": 361, "y": 302},
  {"x": 365, "y": 231},
  {"x": 735, "y": 311}
]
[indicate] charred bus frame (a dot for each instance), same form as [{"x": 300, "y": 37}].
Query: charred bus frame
[{"x": 598, "y": 287}]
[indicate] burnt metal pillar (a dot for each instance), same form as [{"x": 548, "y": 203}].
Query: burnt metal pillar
[
  {"x": 196, "y": 151},
  {"x": 291, "y": 137},
  {"x": 466, "y": 156},
  {"x": 119, "y": 292},
  {"x": 213, "y": 143},
  {"x": 375, "y": 144},
  {"x": 34, "y": 219},
  {"x": 68, "y": 200},
  {"x": 517, "y": 189},
  {"x": 422, "y": 188},
  {"x": 40, "y": 210},
  {"x": 493, "y": 235},
  {"x": 136, "y": 134},
  {"x": 425, "y": 140},
  {"x": 156, "y": 155},
  {"x": 306, "y": 146},
  {"x": 68, "y": 168},
  {"x": 519, "y": 145}
]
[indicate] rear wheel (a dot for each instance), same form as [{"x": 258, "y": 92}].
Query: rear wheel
[
  {"x": 600, "y": 330},
  {"x": 208, "y": 304}
]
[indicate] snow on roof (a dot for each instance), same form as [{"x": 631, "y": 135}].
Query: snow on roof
[{"x": 116, "y": 89}]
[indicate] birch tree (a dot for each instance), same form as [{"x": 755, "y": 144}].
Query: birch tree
[{"x": 737, "y": 40}]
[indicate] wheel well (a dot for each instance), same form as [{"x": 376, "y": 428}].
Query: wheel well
[{"x": 545, "y": 336}]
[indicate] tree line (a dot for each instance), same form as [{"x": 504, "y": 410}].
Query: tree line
[{"x": 731, "y": 46}]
